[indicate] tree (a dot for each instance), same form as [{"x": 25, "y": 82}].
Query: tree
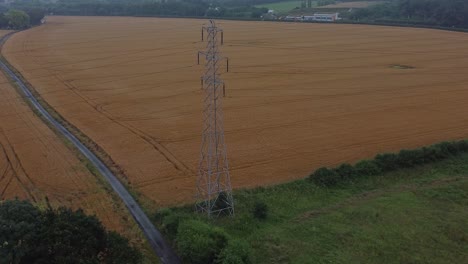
[
  {"x": 28, "y": 235},
  {"x": 35, "y": 15},
  {"x": 17, "y": 19},
  {"x": 19, "y": 221}
]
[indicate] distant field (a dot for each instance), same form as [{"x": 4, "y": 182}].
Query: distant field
[
  {"x": 299, "y": 96},
  {"x": 357, "y": 4},
  {"x": 281, "y": 7}
]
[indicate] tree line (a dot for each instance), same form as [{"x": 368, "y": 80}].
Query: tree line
[
  {"x": 191, "y": 8},
  {"x": 446, "y": 13},
  {"x": 17, "y": 19}
]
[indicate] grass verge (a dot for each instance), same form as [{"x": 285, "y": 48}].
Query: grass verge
[{"x": 412, "y": 215}]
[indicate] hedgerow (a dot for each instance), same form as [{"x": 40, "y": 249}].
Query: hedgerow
[{"x": 387, "y": 162}]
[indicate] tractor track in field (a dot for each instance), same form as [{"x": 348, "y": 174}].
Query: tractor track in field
[{"x": 157, "y": 242}]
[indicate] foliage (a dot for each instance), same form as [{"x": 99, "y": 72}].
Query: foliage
[
  {"x": 281, "y": 7},
  {"x": 160, "y": 214},
  {"x": 325, "y": 177},
  {"x": 388, "y": 162},
  {"x": 448, "y": 13},
  {"x": 325, "y": 2},
  {"x": 28, "y": 235},
  {"x": 119, "y": 251},
  {"x": 35, "y": 15},
  {"x": 170, "y": 225},
  {"x": 376, "y": 219},
  {"x": 201, "y": 243},
  {"x": 367, "y": 168},
  {"x": 260, "y": 210},
  {"x": 236, "y": 252},
  {"x": 346, "y": 172},
  {"x": 17, "y": 19}
]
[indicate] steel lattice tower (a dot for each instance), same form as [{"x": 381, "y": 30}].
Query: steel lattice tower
[{"x": 213, "y": 183}]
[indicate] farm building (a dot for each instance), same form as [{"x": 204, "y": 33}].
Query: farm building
[
  {"x": 326, "y": 17},
  {"x": 323, "y": 17}
]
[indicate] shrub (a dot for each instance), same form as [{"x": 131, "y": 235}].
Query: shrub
[
  {"x": 387, "y": 161},
  {"x": 410, "y": 158},
  {"x": 236, "y": 252},
  {"x": 260, "y": 210},
  {"x": 443, "y": 150},
  {"x": 462, "y": 146},
  {"x": 198, "y": 242},
  {"x": 170, "y": 225},
  {"x": 325, "y": 177},
  {"x": 367, "y": 168},
  {"x": 429, "y": 154},
  {"x": 346, "y": 171},
  {"x": 160, "y": 214}
]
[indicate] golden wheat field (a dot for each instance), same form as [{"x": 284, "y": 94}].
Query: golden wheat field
[
  {"x": 36, "y": 165},
  {"x": 299, "y": 96}
]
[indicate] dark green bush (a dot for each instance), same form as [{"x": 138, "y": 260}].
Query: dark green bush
[
  {"x": 260, "y": 210},
  {"x": 410, "y": 158},
  {"x": 429, "y": 154},
  {"x": 170, "y": 225},
  {"x": 236, "y": 252},
  {"x": 31, "y": 235},
  {"x": 443, "y": 150},
  {"x": 160, "y": 214},
  {"x": 346, "y": 171},
  {"x": 200, "y": 243},
  {"x": 367, "y": 168},
  {"x": 325, "y": 177},
  {"x": 387, "y": 161},
  {"x": 462, "y": 146}
]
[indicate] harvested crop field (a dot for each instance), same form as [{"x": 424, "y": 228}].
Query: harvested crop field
[
  {"x": 36, "y": 164},
  {"x": 299, "y": 96}
]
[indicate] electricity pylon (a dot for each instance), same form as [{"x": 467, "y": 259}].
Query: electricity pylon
[{"x": 213, "y": 183}]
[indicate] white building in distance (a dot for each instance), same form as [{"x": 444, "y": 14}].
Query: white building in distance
[
  {"x": 324, "y": 17},
  {"x": 320, "y": 17}
]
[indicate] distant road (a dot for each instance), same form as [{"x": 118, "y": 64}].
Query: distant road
[{"x": 160, "y": 247}]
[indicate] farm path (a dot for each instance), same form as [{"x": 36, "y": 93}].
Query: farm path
[
  {"x": 61, "y": 171},
  {"x": 36, "y": 165}
]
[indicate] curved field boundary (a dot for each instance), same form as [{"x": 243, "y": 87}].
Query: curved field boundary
[{"x": 154, "y": 237}]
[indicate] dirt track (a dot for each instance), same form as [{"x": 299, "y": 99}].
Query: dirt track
[
  {"x": 35, "y": 164},
  {"x": 300, "y": 96}
]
